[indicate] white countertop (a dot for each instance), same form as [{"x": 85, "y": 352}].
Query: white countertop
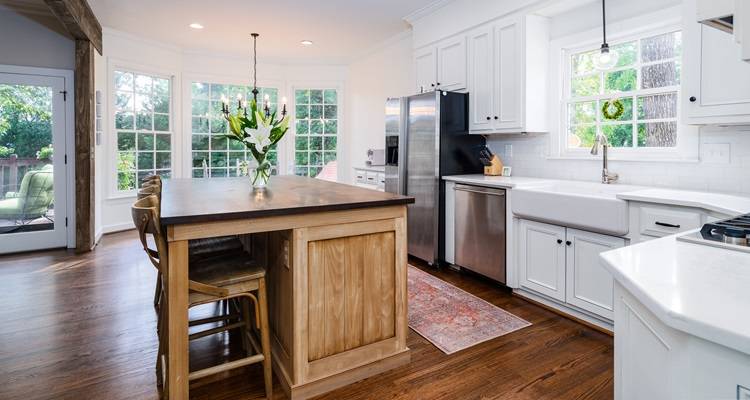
[
  {"x": 698, "y": 289},
  {"x": 373, "y": 168},
  {"x": 720, "y": 203},
  {"x": 503, "y": 182}
]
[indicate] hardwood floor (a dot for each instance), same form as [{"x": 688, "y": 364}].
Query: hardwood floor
[{"x": 83, "y": 327}]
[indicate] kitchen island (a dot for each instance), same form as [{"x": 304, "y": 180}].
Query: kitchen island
[{"x": 336, "y": 270}]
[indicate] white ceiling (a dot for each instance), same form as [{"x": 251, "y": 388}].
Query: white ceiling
[{"x": 340, "y": 29}]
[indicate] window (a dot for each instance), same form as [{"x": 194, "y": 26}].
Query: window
[
  {"x": 646, "y": 80},
  {"x": 212, "y": 154},
  {"x": 316, "y": 128},
  {"x": 142, "y": 126}
]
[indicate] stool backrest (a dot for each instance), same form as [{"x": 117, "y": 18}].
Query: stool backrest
[
  {"x": 147, "y": 220},
  {"x": 148, "y": 190}
]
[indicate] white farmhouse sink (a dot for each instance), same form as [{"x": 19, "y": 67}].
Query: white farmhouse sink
[{"x": 583, "y": 205}]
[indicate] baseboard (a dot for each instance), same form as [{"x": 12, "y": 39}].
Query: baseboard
[
  {"x": 567, "y": 312},
  {"x": 117, "y": 228}
]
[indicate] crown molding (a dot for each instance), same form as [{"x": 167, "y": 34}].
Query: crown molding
[{"x": 425, "y": 11}]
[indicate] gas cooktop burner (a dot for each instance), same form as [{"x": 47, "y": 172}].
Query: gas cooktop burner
[{"x": 733, "y": 233}]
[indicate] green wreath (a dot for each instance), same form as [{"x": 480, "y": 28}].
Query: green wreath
[{"x": 619, "y": 110}]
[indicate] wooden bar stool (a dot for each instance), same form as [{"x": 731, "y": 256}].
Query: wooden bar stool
[{"x": 212, "y": 279}]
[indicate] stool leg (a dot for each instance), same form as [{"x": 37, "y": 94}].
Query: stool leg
[
  {"x": 157, "y": 291},
  {"x": 265, "y": 335},
  {"x": 248, "y": 326}
]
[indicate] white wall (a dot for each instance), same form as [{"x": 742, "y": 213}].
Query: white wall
[
  {"x": 385, "y": 72},
  {"x": 34, "y": 42},
  {"x": 149, "y": 56}
]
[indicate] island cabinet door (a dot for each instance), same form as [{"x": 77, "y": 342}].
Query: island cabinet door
[{"x": 350, "y": 296}]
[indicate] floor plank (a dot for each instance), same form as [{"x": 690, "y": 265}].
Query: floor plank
[{"x": 82, "y": 327}]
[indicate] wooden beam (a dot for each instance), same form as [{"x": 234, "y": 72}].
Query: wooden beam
[
  {"x": 78, "y": 19},
  {"x": 84, "y": 145}
]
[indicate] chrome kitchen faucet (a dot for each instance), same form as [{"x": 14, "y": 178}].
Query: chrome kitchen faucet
[{"x": 602, "y": 141}]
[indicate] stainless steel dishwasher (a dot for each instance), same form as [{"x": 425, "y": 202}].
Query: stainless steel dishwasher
[{"x": 480, "y": 230}]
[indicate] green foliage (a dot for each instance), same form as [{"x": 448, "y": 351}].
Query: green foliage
[
  {"x": 45, "y": 153},
  {"x": 25, "y": 118},
  {"x": 6, "y": 152}
]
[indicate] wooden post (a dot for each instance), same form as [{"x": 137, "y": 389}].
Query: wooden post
[{"x": 84, "y": 145}]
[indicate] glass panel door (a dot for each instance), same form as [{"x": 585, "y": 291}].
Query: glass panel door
[{"x": 32, "y": 166}]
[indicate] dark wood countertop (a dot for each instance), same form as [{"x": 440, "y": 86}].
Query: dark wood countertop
[{"x": 187, "y": 201}]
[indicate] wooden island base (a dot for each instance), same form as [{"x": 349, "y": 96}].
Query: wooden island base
[{"x": 337, "y": 298}]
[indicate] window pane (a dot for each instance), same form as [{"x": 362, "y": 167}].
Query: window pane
[
  {"x": 303, "y": 127},
  {"x": 316, "y": 143},
  {"x": 657, "y": 106},
  {"x": 199, "y": 158},
  {"x": 144, "y": 121},
  {"x": 124, "y": 81},
  {"x": 200, "y": 142},
  {"x": 300, "y": 143},
  {"x": 124, "y": 101},
  {"x": 143, "y": 84},
  {"x": 583, "y": 63},
  {"x": 200, "y": 107},
  {"x": 161, "y": 122},
  {"x": 302, "y": 97},
  {"x": 218, "y": 125},
  {"x": 163, "y": 160},
  {"x": 218, "y": 159},
  {"x": 316, "y": 112},
  {"x": 316, "y": 97},
  {"x": 200, "y": 125},
  {"x": 145, "y": 141},
  {"x": 668, "y": 45},
  {"x": 619, "y": 135},
  {"x": 126, "y": 180},
  {"x": 218, "y": 172},
  {"x": 124, "y": 120},
  {"x": 582, "y": 136},
  {"x": 589, "y": 85},
  {"x": 657, "y": 134},
  {"x": 579, "y": 113},
  {"x": 627, "y": 114},
  {"x": 199, "y": 90},
  {"x": 218, "y": 143},
  {"x": 330, "y": 97},
  {"x": 660, "y": 75},
  {"x": 146, "y": 160},
  {"x": 329, "y": 156},
  {"x": 126, "y": 141},
  {"x": 330, "y": 143},
  {"x": 302, "y": 112},
  {"x": 301, "y": 158},
  {"x": 316, "y": 127},
  {"x": 620, "y": 81},
  {"x": 627, "y": 53},
  {"x": 330, "y": 111},
  {"x": 163, "y": 142},
  {"x": 197, "y": 173},
  {"x": 125, "y": 161},
  {"x": 331, "y": 127}
]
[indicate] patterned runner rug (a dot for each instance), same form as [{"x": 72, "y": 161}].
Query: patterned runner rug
[{"x": 453, "y": 319}]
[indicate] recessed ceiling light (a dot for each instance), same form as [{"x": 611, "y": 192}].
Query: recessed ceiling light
[
  {"x": 307, "y": 42},
  {"x": 196, "y": 25}
]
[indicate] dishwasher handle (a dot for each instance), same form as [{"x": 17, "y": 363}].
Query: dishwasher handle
[{"x": 480, "y": 190}]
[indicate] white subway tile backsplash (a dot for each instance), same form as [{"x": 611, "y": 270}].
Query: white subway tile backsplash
[{"x": 725, "y": 166}]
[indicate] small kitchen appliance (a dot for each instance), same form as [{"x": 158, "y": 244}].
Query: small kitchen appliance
[
  {"x": 733, "y": 234},
  {"x": 375, "y": 157}
]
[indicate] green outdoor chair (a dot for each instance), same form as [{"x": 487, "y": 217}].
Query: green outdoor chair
[{"x": 33, "y": 198}]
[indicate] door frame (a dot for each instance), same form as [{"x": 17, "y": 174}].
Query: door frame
[{"x": 69, "y": 128}]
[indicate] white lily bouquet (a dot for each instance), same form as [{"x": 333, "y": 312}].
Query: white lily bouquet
[{"x": 259, "y": 132}]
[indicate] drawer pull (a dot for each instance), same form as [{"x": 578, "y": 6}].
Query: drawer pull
[{"x": 667, "y": 225}]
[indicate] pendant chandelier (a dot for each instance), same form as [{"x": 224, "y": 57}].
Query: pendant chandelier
[
  {"x": 242, "y": 104},
  {"x": 606, "y": 58}
]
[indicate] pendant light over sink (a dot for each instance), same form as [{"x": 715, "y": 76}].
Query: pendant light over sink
[{"x": 606, "y": 58}]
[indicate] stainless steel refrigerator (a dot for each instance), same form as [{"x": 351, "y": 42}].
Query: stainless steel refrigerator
[{"x": 427, "y": 137}]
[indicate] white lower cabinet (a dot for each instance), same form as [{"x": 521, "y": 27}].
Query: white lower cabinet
[
  {"x": 589, "y": 285},
  {"x": 563, "y": 264},
  {"x": 542, "y": 258}
]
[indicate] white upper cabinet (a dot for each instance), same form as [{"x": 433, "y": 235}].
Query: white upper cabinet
[
  {"x": 481, "y": 107},
  {"x": 451, "y": 64},
  {"x": 515, "y": 90},
  {"x": 442, "y": 66},
  {"x": 425, "y": 63},
  {"x": 716, "y": 81}
]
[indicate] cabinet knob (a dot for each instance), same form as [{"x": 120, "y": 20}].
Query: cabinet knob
[
  {"x": 693, "y": 99},
  {"x": 568, "y": 243},
  {"x": 488, "y": 118},
  {"x": 559, "y": 241},
  {"x": 438, "y": 83},
  {"x": 432, "y": 84},
  {"x": 496, "y": 117}
]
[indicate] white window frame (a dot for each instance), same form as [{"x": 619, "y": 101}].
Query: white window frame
[
  {"x": 111, "y": 131},
  {"x": 341, "y": 133},
  {"x": 187, "y": 123},
  {"x": 661, "y": 22}
]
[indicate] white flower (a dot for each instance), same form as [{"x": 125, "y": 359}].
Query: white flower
[{"x": 261, "y": 137}]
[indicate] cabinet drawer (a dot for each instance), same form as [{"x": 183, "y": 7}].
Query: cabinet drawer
[
  {"x": 360, "y": 176},
  {"x": 660, "y": 222},
  {"x": 371, "y": 178},
  {"x": 381, "y": 180}
]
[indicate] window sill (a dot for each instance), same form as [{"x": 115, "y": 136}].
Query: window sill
[
  {"x": 675, "y": 160},
  {"x": 121, "y": 195}
]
